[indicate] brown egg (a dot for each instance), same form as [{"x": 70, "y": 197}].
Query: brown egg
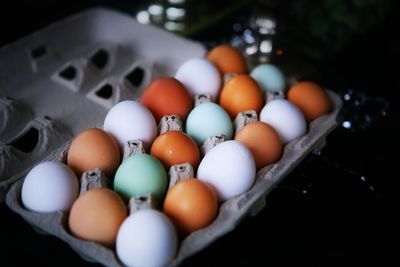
[
  {"x": 94, "y": 148},
  {"x": 310, "y": 98},
  {"x": 174, "y": 147},
  {"x": 191, "y": 205},
  {"x": 263, "y": 142},
  {"x": 97, "y": 215},
  {"x": 167, "y": 96},
  {"x": 241, "y": 93},
  {"x": 227, "y": 59}
]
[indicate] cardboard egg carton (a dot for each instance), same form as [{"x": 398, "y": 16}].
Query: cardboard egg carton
[
  {"x": 230, "y": 214},
  {"x": 66, "y": 107},
  {"x": 64, "y": 79}
]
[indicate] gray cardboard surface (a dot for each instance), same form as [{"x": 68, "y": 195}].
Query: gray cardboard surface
[{"x": 52, "y": 79}]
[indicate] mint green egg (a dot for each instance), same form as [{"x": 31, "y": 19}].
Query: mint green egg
[
  {"x": 269, "y": 77},
  {"x": 208, "y": 119},
  {"x": 139, "y": 175}
]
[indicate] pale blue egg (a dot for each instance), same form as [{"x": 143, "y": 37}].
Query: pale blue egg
[
  {"x": 139, "y": 175},
  {"x": 269, "y": 77},
  {"x": 206, "y": 120}
]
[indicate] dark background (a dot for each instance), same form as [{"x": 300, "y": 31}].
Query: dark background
[{"x": 324, "y": 213}]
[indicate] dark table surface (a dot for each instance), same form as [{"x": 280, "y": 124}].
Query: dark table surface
[{"x": 340, "y": 207}]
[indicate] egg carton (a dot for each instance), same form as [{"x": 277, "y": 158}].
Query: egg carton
[
  {"x": 64, "y": 79},
  {"x": 230, "y": 214},
  {"x": 65, "y": 107}
]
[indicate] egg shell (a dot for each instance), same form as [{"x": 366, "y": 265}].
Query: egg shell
[
  {"x": 167, "y": 96},
  {"x": 139, "y": 175},
  {"x": 94, "y": 148},
  {"x": 227, "y": 59},
  {"x": 285, "y": 118},
  {"x": 269, "y": 77},
  {"x": 175, "y": 147},
  {"x": 311, "y": 99},
  {"x": 200, "y": 76},
  {"x": 191, "y": 204},
  {"x": 208, "y": 119},
  {"x": 97, "y": 215},
  {"x": 130, "y": 120},
  {"x": 241, "y": 93},
  {"x": 49, "y": 187},
  {"x": 146, "y": 238},
  {"x": 263, "y": 142},
  {"x": 229, "y": 168}
]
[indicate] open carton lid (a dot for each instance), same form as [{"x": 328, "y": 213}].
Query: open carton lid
[{"x": 64, "y": 79}]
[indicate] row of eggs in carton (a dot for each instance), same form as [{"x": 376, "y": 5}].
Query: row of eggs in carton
[{"x": 134, "y": 154}]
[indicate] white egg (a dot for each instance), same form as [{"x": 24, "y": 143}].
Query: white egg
[
  {"x": 229, "y": 168},
  {"x": 285, "y": 118},
  {"x": 200, "y": 76},
  {"x": 48, "y": 187},
  {"x": 146, "y": 238},
  {"x": 130, "y": 120}
]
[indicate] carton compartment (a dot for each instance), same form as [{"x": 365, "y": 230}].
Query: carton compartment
[
  {"x": 13, "y": 117},
  {"x": 105, "y": 91},
  {"x": 100, "y": 58},
  {"x": 136, "y": 76},
  {"x": 38, "y": 52},
  {"x": 27, "y": 142},
  {"x": 68, "y": 73},
  {"x": 31, "y": 146}
]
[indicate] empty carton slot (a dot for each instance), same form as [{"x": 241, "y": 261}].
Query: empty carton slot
[
  {"x": 100, "y": 58},
  {"x": 38, "y": 52},
  {"x": 13, "y": 117},
  {"x": 27, "y": 142},
  {"x": 106, "y": 94},
  {"x": 72, "y": 75},
  {"x": 105, "y": 91},
  {"x": 135, "y": 77},
  {"x": 69, "y": 73}
]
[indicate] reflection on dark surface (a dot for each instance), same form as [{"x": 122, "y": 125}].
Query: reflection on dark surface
[{"x": 338, "y": 207}]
